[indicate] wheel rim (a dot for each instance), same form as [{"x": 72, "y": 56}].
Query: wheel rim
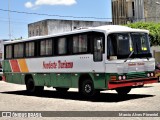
[{"x": 88, "y": 88}]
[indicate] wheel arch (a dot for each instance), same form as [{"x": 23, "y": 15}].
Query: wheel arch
[{"x": 84, "y": 77}]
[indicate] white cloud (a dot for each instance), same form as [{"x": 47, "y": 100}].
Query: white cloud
[
  {"x": 28, "y": 5},
  {"x": 49, "y": 2},
  {"x": 55, "y": 2}
]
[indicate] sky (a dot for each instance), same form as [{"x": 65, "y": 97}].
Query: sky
[{"x": 99, "y": 10}]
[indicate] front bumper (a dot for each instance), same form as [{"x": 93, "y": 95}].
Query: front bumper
[{"x": 131, "y": 82}]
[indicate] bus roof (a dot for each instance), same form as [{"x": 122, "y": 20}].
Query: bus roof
[{"x": 105, "y": 29}]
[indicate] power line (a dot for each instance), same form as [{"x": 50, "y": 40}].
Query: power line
[
  {"x": 42, "y": 14},
  {"x": 9, "y": 20}
]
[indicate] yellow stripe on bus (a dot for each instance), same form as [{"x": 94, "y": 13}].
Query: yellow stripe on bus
[{"x": 23, "y": 65}]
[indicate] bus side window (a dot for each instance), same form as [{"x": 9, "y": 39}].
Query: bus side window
[
  {"x": 30, "y": 49},
  {"x": 80, "y": 44},
  {"x": 8, "y": 53},
  {"x": 19, "y": 50},
  {"x": 62, "y": 46}
]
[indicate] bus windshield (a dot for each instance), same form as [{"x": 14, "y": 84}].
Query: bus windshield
[{"x": 121, "y": 45}]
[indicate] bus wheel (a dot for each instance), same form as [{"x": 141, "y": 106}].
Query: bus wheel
[
  {"x": 87, "y": 88},
  {"x": 123, "y": 91},
  {"x": 31, "y": 88},
  {"x": 62, "y": 89}
]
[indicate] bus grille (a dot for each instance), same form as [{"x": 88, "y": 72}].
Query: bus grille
[{"x": 135, "y": 75}]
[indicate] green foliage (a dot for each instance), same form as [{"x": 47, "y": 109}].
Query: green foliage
[{"x": 154, "y": 29}]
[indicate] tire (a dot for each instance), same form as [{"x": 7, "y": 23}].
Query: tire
[
  {"x": 123, "y": 91},
  {"x": 31, "y": 88},
  {"x": 61, "y": 89},
  {"x": 87, "y": 88}
]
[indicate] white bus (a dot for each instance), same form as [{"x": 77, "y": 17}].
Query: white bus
[{"x": 108, "y": 57}]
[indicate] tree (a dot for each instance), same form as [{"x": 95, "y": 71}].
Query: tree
[{"x": 154, "y": 29}]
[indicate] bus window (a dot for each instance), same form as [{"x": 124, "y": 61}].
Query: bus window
[
  {"x": 30, "y": 49},
  {"x": 75, "y": 44},
  {"x": 123, "y": 41},
  {"x": 8, "y": 51},
  {"x": 62, "y": 46},
  {"x": 19, "y": 50},
  {"x": 46, "y": 47},
  {"x": 98, "y": 49},
  {"x": 111, "y": 48},
  {"x": 143, "y": 43},
  {"x": 80, "y": 44}
]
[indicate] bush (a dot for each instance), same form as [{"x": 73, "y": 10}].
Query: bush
[{"x": 154, "y": 29}]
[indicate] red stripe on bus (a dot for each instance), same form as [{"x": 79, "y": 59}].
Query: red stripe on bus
[
  {"x": 15, "y": 66},
  {"x": 129, "y": 84}
]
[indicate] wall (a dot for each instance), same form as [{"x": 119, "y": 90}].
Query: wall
[
  {"x": 152, "y": 10},
  {"x": 37, "y": 28},
  {"x": 53, "y": 26},
  {"x": 119, "y": 12},
  {"x": 58, "y": 26},
  {"x": 145, "y": 10},
  {"x": 139, "y": 10}
]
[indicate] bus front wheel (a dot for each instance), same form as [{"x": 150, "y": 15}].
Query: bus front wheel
[
  {"x": 87, "y": 88},
  {"x": 31, "y": 88},
  {"x": 123, "y": 91}
]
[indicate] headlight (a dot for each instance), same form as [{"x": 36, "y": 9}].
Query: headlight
[
  {"x": 152, "y": 74},
  {"x": 120, "y": 77},
  {"x": 148, "y": 75},
  {"x": 124, "y": 77}
]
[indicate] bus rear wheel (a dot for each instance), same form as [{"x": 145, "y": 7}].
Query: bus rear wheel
[
  {"x": 31, "y": 88},
  {"x": 87, "y": 88},
  {"x": 62, "y": 89},
  {"x": 123, "y": 91}
]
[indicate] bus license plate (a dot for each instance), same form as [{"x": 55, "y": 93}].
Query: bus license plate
[{"x": 139, "y": 83}]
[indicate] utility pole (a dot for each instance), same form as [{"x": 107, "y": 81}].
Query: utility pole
[{"x": 9, "y": 22}]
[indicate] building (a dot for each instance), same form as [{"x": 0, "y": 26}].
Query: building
[
  {"x": 53, "y": 26},
  {"x": 119, "y": 12},
  {"x": 124, "y": 11}
]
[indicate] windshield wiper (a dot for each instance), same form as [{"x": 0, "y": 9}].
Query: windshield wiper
[{"x": 129, "y": 56}]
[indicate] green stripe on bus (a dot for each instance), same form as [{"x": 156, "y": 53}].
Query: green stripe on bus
[{"x": 6, "y": 66}]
